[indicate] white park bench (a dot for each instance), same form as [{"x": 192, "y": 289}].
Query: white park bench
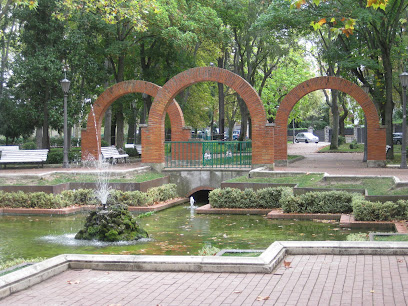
[
  {"x": 112, "y": 154},
  {"x": 23, "y": 157},
  {"x": 9, "y": 148}
]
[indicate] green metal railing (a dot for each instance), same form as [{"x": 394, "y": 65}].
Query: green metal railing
[{"x": 208, "y": 154}]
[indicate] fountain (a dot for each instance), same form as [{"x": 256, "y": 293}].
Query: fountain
[{"x": 109, "y": 222}]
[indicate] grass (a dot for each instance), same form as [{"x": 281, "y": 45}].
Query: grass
[
  {"x": 17, "y": 263},
  {"x": 61, "y": 178},
  {"x": 374, "y": 186},
  {"x": 344, "y": 148},
  {"x": 242, "y": 254},
  {"x": 391, "y": 238}
]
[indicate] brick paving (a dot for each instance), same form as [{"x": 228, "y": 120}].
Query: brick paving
[{"x": 310, "y": 280}]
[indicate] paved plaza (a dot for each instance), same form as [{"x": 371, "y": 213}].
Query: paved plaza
[{"x": 309, "y": 280}]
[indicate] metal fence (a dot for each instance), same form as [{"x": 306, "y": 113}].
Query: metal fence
[{"x": 208, "y": 154}]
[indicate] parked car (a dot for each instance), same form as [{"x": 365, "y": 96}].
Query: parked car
[
  {"x": 306, "y": 137},
  {"x": 397, "y": 138}
]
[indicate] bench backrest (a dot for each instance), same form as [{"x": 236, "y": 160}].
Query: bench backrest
[
  {"x": 24, "y": 156},
  {"x": 9, "y": 148}
]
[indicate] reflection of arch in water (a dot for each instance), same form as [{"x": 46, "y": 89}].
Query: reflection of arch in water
[
  {"x": 376, "y": 134},
  {"x": 153, "y": 134},
  {"x": 91, "y": 144}
]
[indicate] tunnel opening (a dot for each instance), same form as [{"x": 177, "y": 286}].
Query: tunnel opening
[{"x": 201, "y": 196}]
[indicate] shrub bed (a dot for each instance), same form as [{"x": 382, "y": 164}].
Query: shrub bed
[
  {"x": 86, "y": 197},
  {"x": 248, "y": 198},
  {"x": 320, "y": 202},
  {"x": 364, "y": 210}
]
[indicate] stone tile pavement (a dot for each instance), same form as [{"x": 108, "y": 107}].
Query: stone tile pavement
[{"x": 310, "y": 280}]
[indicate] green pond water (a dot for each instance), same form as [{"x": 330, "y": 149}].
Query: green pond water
[{"x": 175, "y": 231}]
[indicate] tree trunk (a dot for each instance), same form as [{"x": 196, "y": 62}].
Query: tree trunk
[
  {"x": 120, "y": 127},
  {"x": 343, "y": 117},
  {"x": 38, "y": 137},
  {"x": 221, "y": 101},
  {"x": 46, "y": 137},
  {"x": 389, "y": 105},
  {"x": 244, "y": 118},
  {"x": 334, "y": 145}
]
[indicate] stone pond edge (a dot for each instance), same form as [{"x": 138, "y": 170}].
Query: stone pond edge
[{"x": 267, "y": 262}]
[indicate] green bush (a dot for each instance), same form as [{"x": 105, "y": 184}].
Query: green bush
[
  {"x": 319, "y": 202},
  {"x": 132, "y": 152},
  {"x": 104, "y": 143},
  {"x": 342, "y": 140},
  {"x": 236, "y": 198},
  {"x": 364, "y": 210},
  {"x": 86, "y": 197},
  {"x": 29, "y": 146},
  {"x": 32, "y": 200},
  {"x": 162, "y": 193},
  {"x": 129, "y": 198},
  {"x": 56, "y": 155}
]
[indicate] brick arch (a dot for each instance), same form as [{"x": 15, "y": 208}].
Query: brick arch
[
  {"x": 262, "y": 132},
  {"x": 191, "y": 192},
  {"x": 375, "y": 133},
  {"x": 91, "y": 143}
]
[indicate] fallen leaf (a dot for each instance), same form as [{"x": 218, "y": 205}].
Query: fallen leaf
[
  {"x": 73, "y": 282},
  {"x": 237, "y": 291},
  {"x": 372, "y": 291},
  {"x": 262, "y": 298}
]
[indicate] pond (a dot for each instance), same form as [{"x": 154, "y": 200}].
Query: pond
[{"x": 175, "y": 231}]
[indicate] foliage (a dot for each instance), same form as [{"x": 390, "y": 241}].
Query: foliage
[
  {"x": 56, "y": 155},
  {"x": 86, "y": 197},
  {"x": 32, "y": 200},
  {"x": 14, "y": 263},
  {"x": 357, "y": 237},
  {"x": 376, "y": 211},
  {"x": 248, "y": 198},
  {"x": 208, "y": 250},
  {"x": 114, "y": 224},
  {"x": 319, "y": 202},
  {"x": 162, "y": 193},
  {"x": 29, "y": 145}
]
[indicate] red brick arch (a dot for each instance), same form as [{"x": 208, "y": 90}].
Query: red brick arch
[
  {"x": 153, "y": 134},
  {"x": 375, "y": 133},
  {"x": 91, "y": 143}
]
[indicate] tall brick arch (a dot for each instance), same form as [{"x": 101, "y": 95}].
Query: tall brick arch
[
  {"x": 375, "y": 133},
  {"x": 91, "y": 136},
  {"x": 262, "y": 132}
]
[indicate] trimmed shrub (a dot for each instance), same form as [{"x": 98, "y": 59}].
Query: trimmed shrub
[
  {"x": 56, "y": 155},
  {"x": 162, "y": 193},
  {"x": 32, "y": 200},
  {"x": 236, "y": 198},
  {"x": 129, "y": 198},
  {"x": 131, "y": 152},
  {"x": 364, "y": 210},
  {"x": 319, "y": 202},
  {"x": 29, "y": 146},
  {"x": 80, "y": 197}
]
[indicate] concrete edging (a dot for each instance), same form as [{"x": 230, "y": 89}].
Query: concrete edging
[{"x": 267, "y": 262}]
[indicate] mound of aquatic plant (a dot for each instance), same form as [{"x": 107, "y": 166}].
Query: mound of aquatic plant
[{"x": 113, "y": 224}]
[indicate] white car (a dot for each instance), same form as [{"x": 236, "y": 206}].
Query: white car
[{"x": 306, "y": 137}]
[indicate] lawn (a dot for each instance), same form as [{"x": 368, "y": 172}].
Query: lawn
[
  {"x": 61, "y": 178},
  {"x": 374, "y": 186}
]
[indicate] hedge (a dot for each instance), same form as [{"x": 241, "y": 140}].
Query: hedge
[
  {"x": 86, "y": 197},
  {"x": 320, "y": 202},
  {"x": 364, "y": 210},
  {"x": 267, "y": 198}
]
